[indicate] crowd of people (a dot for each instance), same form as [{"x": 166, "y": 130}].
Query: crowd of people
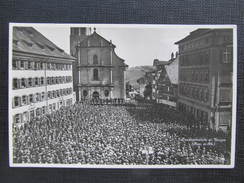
[{"x": 115, "y": 135}]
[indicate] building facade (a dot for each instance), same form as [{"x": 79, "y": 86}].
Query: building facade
[
  {"x": 205, "y": 76},
  {"x": 99, "y": 71},
  {"x": 41, "y": 76},
  {"x": 167, "y": 83}
]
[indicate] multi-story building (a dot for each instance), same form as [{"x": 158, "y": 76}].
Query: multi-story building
[
  {"x": 99, "y": 71},
  {"x": 167, "y": 82},
  {"x": 40, "y": 76},
  {"x": 158, "y": 65},
  {"x": 205, "y": 76}
]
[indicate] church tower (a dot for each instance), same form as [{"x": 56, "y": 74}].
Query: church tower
[{"x": 77, "y": 35}]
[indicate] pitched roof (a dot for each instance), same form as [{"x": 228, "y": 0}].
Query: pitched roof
[
  {"x": 172, "y": 70},
  {"x": 156, "y": 62},
  {"x": 29, "y": 40},
  {"x": 95, "y": 34},
  {"x": 194, "y": 34}
]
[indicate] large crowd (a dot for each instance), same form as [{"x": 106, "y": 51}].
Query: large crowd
[{"x": 108, "y": 134}]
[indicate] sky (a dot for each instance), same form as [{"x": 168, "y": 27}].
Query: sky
[{"x": 137, "y": 45}]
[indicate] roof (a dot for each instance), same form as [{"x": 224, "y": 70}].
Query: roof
[
  {"x": 29, "y": 40},
  {"x": 156, "y": 62},
  {"x": 194, "y": 34},
  {"x": 95, "y": 34},
  {"x": 172, "y": 70}
]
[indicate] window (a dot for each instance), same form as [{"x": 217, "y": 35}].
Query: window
[
  {"x": 228, "y": 55},
  {"x": 43, "y": 96},
  {"x": 30, "y": 83},
  {"x": 25, "y": 117},
  {"x": 85, "y": 93},
  {"x": 43, "y": 66},
  {"x": 42, "y": 80},
  {"x": 49, "y": 95},
  {"x": 48, "y": 80},
  {"x": 95, "y": 74},
  {"x": 31, "y": 99},
  {"x": 23, "y": 83},
  {"x": 58, "y": 94},
  {"x": 29, "y": 65},
  {"x": 38, "y": 111},
  {"x": 54, "y": 106},
  {"x": 32, "y": 114},
  {"x": 17, "y": 118},
  {"x": 22, "y": 64},
  {"x": 38, "y": 97},
  {"x": 16, "y": 101},
  {"x": 43, "y": 110},
  {"x": 54, "y": 94},
  {"x": 24, "y": 100},
  {"x": 15, "y": 64},
  {"x": 15, "y": 84},
  {"x": 225, "y": 94},
  {"x": 106, "y": 93},
  {"x": 50, "y": 107},
  {"x": 36, "y": 81},
  {"x": 95, "y": 60}
]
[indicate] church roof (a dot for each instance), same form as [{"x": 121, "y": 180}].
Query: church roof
[
  {"x": 172, "y": 70},
  {"x": 29, "y": 40},
  {"x": 95, "y": 34}
]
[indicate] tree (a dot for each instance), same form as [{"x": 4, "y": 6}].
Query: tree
[{"x": 148, "y": 91}]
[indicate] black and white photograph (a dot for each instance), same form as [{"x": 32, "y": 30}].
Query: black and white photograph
[{"x": 122, "y": 95}]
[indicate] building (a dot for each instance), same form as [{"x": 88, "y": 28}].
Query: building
[
  {"x": 142, "y": 84},
  {"x": 99, "y": 71},
  {"x": 205, "y": 76},
  {"x": 147, "y": 79},
  {"x": 41, "y": 76},
  {"x": 159, "y": 66},
  {"x": 167, "y": 82}
]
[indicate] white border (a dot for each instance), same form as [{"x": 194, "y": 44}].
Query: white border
[{"x": 234, "y": 99}]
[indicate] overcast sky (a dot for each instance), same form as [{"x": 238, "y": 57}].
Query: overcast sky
[{"x": 136, "y": 45}]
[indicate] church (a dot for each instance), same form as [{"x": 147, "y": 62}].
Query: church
[{"x": 98, "y": 71}]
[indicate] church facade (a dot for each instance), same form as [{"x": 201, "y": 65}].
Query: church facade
[{"x": 98, "y": 71}]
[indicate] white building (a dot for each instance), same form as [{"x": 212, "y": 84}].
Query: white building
[{"x": 40, "y": 76}]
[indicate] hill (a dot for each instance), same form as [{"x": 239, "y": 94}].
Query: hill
[{"x": 134, "y": 73}]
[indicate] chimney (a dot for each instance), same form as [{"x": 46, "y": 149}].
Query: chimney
[{"x": 176, "y": 54}]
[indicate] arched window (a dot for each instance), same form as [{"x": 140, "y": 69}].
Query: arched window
[
  {"x": 85, "y": 93},
  {"x": 106, "y": 93},
  {"x": 95, "y": 60},
  {"x": 95, "y": 74}
]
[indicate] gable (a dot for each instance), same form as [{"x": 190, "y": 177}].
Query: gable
[{"x": 95, "y": 40}]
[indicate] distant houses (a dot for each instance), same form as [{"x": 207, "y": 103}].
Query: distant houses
[{"x": 197, "y": 80}]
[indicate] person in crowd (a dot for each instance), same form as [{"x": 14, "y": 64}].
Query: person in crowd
[{"x": 114, "y": 134}]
